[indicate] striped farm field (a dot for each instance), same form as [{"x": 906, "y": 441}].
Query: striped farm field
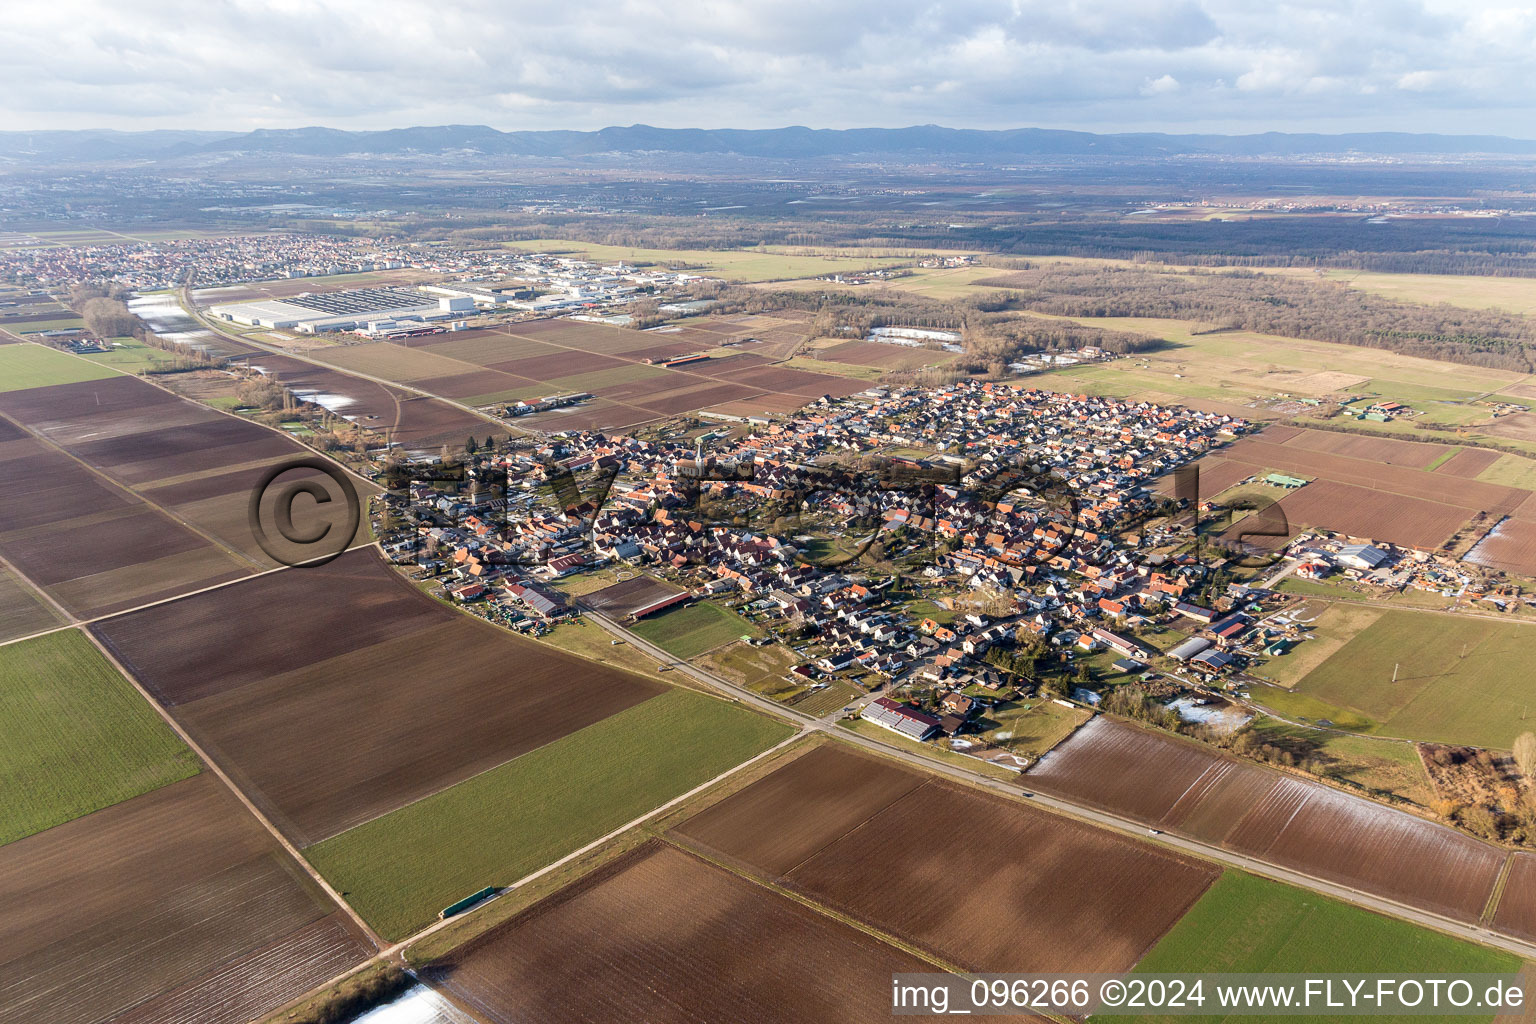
[{"x": 493, "y": 829}]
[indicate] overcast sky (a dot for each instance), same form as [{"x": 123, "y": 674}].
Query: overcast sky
[{"x": 1104, "y": 65}]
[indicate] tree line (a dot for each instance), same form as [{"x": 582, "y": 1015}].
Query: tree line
[{"x": 1269, "y": 304}]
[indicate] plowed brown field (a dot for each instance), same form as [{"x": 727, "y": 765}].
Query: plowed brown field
[
  {"x": 1467, "y": 463},
  {"x": 1180, "y": 785},
  {"x": 1361, "y": 512},
  {"x": 1511, "y": 546},
  {"x": 1516, "y": 913},
  {"x": 1473, "y": 495},
  {"x": 1384, "y": 450},
  {"x": 663, "y": 937},
  {"x": 172, "y": 906},
  {"x": 338, "y": 694},
  {"x": 1041, "y": 892}
]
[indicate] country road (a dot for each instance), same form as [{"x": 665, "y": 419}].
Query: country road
[
  {"x": 190, "y": 308},
  {"x": 1139, "y": 830}
]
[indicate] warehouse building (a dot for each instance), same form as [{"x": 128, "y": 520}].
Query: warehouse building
[{"x": 341, "y": 311}]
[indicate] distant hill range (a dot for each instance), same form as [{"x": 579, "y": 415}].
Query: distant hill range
[{"x": 916, "y": 143}]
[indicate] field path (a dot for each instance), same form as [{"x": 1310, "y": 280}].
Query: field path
[
  {"x": 210, "y": 765},
  {"x": 185, "y": 298}
]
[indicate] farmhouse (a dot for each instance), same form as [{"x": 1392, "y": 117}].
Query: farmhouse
[
  {"x": 908, "y": 721},
  {"x": 1121, "y": 644},
  {"x": 1194, "y": 611},
  {"x": 547, "y": 603}
]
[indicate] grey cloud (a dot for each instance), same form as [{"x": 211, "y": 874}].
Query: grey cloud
[{"x": 1107, "y": 64}]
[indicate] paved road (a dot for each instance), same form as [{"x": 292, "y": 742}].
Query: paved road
[
  {"x": 1114, "y": 822},
  {"x": 191, "y": 310}
]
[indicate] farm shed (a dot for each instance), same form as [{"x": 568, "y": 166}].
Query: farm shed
[
  {"x": 900, "y": 718},
  {"x": 1189, "y": 648}
]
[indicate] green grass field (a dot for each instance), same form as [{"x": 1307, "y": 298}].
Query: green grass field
[
  {"x": 1332, "y": 625},
  {"x": 731, "y": 264},
  {"x": 690, "y": 631},
  {"x": 1245, "y": 924},
  {"x": 77, "y": 736},
  {"x": 493, "y": 829},
  {"x": 1459, "y": 679},
  {"x": 132, "y": 356},
  {"x": 1032, "y": 726},
  {"x": 36, "y": 366},
  {"x": 46, "y": 323},
  {"x": 1513, "y": 294}
]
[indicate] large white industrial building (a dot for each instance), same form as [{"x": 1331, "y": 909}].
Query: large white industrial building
[{"x": 342, "y": 311}]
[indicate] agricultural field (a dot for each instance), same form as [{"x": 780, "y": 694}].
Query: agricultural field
[
  {"x": 78, "y": 736},
  {"x": 92, "y": 546},
  {"x": 1516, "y": 912},
  {"x": 237, "y": 929},
  {"x": 164, "y": 479},
  {"x": 494, "y": 828},
  {"x": 1511, "y": 294},
  {"x": 688, "y": 631},
  {"x": 1510, "y": 545},
  {"x": 1380, "y": 488},
  {"x": 22, "y": 609},
  {"x": 742, "y": 265},
  {"x": 537, "y": 358},
  {"x": 668, "y": 938},
  {"x": 622, "y": 599},
  {"x": 833, "y": 697},
  {"x": 848, "y": 830},
  {"x": 415, "y": 421},
  {"x": 36, "y": 366},
  {"x": 352, "y": 693},
  {"x": 1331, "y": 625},
  {"x": 882, "y": 356},
  {"x": 1459, "y": 679},
  {"x": 1182, "y": 786},
  {"x": 1246, "y": 924}
]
